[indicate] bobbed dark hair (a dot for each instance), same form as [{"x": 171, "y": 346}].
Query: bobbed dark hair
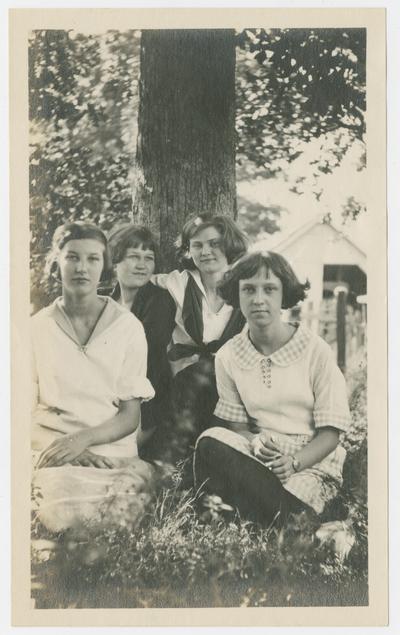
[
  {"x": 248, "y": 266},
  {"x": 77, "y": 230},
  {"x": 234, "y": 242},
  {"x": 133, "y": 236}
]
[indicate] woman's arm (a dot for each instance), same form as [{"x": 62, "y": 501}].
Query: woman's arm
[
  {"x": 321, "y": 445},
  {"x": 160, "y": 280},
  {"x": 69, "y": 447},
  {"x": 230, "y": 411},
  {"x": 330, "y": 413}
]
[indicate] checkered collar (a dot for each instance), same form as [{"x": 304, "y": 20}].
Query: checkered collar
[{"x": 247, "y": 356}]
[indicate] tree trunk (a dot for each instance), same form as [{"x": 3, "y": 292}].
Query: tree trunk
[{"x": 186, "y": 141}]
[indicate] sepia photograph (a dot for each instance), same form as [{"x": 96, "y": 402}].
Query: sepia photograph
[{"x": 204, "y": 245}]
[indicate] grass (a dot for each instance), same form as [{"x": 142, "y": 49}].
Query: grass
[{"x": 190, "y": 550}]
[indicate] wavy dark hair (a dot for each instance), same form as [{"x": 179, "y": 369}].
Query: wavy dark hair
[
  {"x": 78, "y": 230},
  {"x": 234, "y": 242},
  {"x": 293, "y": 291},
  {"x": 133, "y": 236}
]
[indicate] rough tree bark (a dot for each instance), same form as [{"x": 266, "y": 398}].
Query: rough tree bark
[{"x": 186, "y": 142}]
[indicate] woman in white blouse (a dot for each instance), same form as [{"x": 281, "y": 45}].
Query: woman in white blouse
[
  {"x": 203, "y": 321},
  {"x": 89, "y": 372},
  {"x": 282, "y": 402}
]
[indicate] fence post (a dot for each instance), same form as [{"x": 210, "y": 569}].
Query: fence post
[{"x": 341, "y": 293}]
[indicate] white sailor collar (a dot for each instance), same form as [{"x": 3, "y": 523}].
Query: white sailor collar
[
  {"x": 111, "y": 312},
  {"x": 247, "y": 356}
]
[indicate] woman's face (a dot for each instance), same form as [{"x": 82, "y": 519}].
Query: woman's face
[
  {"x": 260, "y": 299},
  {"x": 206, "y": 251},
  {"x": 136, "y": 268},
  {"x": 81, "y": 264}
]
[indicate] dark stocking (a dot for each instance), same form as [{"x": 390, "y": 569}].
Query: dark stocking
[{"x": 242, "y": 482}]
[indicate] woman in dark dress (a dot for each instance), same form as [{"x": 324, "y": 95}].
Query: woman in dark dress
[
  {"x": 136, "y": 258},
  {"x": 203, "y": 321}
]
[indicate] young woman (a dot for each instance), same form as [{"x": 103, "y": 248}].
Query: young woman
[
  {"x": 135, "y": 255},
  {"x": 89, "y": 364},
  {"x": 203, "y": 321},
  {"x": 282, "y": 402}
]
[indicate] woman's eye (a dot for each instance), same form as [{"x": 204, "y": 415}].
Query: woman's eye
[{"x": 215, "y": 244}]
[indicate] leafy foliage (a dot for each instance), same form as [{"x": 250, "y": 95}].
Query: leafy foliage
[
  {"x": 352, "y": 209},
  {"x": 255, "y": 219},
  {"x": 180, "y": 557},
  {"x": 294, "y": 85},
  {"x": 83, "y": 104}
]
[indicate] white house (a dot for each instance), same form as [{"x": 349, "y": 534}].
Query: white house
[{"x": 326, "y": 256}]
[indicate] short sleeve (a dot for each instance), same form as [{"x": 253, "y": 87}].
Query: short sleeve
[
  {"x": 174, "y": 282},
  {"x": 230, "y": 406},
  {"x": 161, "y": 280},
  {"x": 331, "y": 406},
  {"x": 133, "y": 383}
]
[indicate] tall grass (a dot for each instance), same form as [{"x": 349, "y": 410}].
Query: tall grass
[{"x": 192, "y": 550}]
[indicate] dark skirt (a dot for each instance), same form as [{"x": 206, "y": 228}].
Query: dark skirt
[{"x": 193, "y": 400}]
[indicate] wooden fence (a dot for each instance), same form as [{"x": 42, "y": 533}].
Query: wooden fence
[{"x": 342, "y": 326}]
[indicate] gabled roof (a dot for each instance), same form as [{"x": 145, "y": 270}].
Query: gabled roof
[{"x": 282, "y": 240}]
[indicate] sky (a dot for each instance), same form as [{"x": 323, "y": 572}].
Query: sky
[{"x": 345, "y": 181}]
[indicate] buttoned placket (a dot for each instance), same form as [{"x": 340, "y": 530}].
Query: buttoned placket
[{"x": 266, "y": 371}]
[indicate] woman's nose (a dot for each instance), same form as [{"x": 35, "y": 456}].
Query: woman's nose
[
  {"x": 259, "y": 297},
  {"x": 81, "y": 265},
  {"x": 140, "y": 264}
]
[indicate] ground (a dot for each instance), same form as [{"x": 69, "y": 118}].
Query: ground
[{"x": 188, "y": 550}]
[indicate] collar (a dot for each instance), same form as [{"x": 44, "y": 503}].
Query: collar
[
  {"x": 195, "y": 274},
  {"x": 247, "y": 356},
  {"x": 143, "y": 293},
  {"x": 112, "y": 311}
]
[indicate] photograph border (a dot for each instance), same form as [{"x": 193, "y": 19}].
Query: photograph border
[{"x": 21, "y": 22}]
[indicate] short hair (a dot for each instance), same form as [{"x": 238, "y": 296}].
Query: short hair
[
  {"x": 132, "y": 236},
  {"x": 234, "y": 242},
  {"x": 77, "y": 230},
  {"x": 248, "y": 266}
]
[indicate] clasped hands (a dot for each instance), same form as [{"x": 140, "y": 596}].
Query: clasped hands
[
  {"x": 264, "y": 448},
  {"x": 72, "y": 448}
]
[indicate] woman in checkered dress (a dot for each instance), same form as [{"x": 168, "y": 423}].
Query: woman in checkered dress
[{"x": 282, "y": 402}]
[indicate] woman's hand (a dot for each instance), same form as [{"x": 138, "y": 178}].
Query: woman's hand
[
  {"x": 89, "y": 459},
  {"x": 264, "y": 448},
  {"x": 282, "y": 467},
  {"x": 63, "y": 450}
]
